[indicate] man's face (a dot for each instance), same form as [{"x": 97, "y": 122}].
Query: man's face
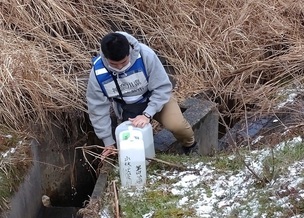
[{"x": 119, "y": 64}]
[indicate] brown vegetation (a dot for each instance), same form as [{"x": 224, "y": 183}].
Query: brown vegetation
[{"x": 242, "y": 51}]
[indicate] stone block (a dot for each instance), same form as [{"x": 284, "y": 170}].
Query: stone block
[{"x": 203, "y": 117}]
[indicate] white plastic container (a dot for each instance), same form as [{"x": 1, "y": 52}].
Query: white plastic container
[
  {"x": 132, "y": 161},
  {"x": 147, "y": 135}
]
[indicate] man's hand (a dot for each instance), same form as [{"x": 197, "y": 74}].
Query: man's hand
[
  {"x": 140, "y": 121},
  {"x": 107, "y": 151}
]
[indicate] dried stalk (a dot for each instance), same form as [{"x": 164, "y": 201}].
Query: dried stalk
[
  {"x": 116, "y": 201},
  {"x": 181, "y": 167}
]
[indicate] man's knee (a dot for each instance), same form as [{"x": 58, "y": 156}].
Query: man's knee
[{"x": 178, "y": 126}]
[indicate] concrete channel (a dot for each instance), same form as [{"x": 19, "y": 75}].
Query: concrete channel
[{"x": 60, "y": 171}]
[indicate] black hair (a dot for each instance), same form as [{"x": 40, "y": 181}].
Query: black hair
[{"x": 115, "y": 46}]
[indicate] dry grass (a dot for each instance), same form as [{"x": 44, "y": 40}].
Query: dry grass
[
  {"x": 91, "y": 210},
  {"x": 244, "y": 51}
]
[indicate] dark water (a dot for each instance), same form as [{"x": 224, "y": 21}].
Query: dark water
[{"x": 58, "y": 212}]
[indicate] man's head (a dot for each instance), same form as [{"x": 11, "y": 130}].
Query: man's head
[{"x": 115, "y": 46}]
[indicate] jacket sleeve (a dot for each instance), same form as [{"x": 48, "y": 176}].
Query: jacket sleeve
[
  {"x": 99, "y": 111},
  {"x": 158, "y": 81}
]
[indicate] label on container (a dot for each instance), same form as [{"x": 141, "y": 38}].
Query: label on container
[
  {"x": 132, "y": 163},
  {"x": 125, "y": 135}
]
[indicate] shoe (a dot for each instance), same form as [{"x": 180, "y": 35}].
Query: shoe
[{"x": 193, "y": 149}]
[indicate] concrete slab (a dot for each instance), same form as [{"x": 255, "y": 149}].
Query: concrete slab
[
  {"x": 203, "y": 117},
  {"x": 100, "y": 186}
]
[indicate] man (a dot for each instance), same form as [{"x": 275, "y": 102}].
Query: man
[{"x": 129, "y": 75}]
